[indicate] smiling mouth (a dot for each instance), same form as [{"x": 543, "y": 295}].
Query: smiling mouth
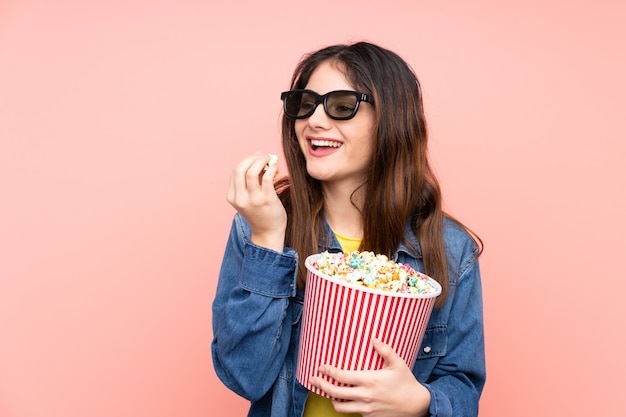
[{"x": 316, "y": 144}]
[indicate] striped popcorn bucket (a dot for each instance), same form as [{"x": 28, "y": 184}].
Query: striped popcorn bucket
[{"x": 339, "y": 321}]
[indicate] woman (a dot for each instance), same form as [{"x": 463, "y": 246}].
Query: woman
[{"x": 355, "y": 143}]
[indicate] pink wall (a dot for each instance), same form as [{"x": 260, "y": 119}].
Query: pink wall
[{"x": 119, "y": 124}]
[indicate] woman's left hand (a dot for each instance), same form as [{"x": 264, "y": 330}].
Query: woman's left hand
[{"x": 390, "y": 391}]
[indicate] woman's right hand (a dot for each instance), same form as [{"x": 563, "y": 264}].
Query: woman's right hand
[{"x": 251, "y": 192}]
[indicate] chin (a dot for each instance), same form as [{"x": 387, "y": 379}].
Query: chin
[{"x": 319, "y": 175}]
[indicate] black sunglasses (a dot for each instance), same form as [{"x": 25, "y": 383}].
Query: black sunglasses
[{"x": 338, "y": 105}]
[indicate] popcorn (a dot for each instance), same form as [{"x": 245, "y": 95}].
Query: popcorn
[
  {"x": 273, "y": 160},
  {"x": 374, "y": 271}
]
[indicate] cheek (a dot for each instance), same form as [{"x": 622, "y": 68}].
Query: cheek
[
  {"x": 299, "y": 125},
  {"x": 299, "y": 129},
  {"x": 366, "y": 138},
  {"x": 366, "y": 148}
]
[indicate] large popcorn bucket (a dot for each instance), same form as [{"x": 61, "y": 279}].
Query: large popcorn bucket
[{"x": 340, "y": 319}]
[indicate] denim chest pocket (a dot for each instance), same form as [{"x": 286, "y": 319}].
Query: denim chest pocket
[{"x": 434, "y": 344}]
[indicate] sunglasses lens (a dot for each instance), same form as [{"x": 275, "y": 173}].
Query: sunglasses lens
[
  {"x": 341, "y": 105},
  {"x": 298, "y": 104}
]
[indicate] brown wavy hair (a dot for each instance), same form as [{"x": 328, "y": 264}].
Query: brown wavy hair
[{"x": 400, "y": 185}]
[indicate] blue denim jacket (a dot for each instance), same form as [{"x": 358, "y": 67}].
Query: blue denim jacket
[{"x": 256, "y": 325}]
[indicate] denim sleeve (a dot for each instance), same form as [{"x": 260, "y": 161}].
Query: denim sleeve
[
  {"x": 458, "y": 378},
  {"x": 251, "y": 313}
]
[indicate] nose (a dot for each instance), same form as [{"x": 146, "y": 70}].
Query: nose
[{"x": 319, "y": 118}]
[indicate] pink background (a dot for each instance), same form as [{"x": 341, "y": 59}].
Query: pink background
[{"x": 121, "y": 120}]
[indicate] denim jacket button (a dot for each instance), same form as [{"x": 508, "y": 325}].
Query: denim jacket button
[{"x": 427, "y": 349}]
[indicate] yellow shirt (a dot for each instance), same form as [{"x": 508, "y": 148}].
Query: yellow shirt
[
  {"x": 348, "y": 244},
  {"x": 316, "y": 405}
]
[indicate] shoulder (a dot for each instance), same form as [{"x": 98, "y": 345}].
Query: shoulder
[
  {"x": 456, "y": 235},
  {"x": 461, "y": 248}
]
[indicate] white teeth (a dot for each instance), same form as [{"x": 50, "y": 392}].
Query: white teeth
[{"x": 330, "y": 143}]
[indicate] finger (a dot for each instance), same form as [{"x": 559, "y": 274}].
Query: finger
[
  {"x": 269, "y": 174},
  {"x": 387, "y": 353},
  {"x": 348, "y": 407},
  {"x": 335, "y": 391},
  {"x": 237, "y": 183},
  {"x": 342, "y": 376},
  {"x": 252, "y": 180},
  {"x": 238, "y": 191},
  {"x": 255, "y": 172},
  {"x": 241, "y": 169},
  {"x": 247, "y": 168}
]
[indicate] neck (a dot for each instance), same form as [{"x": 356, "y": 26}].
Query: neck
[{"x": 340, "y": 212}]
